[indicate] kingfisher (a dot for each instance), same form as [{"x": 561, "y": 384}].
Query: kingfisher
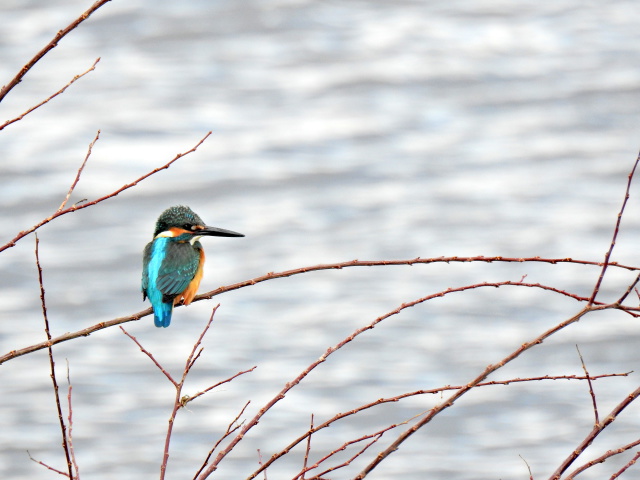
[{"x": 173, "y": 261}]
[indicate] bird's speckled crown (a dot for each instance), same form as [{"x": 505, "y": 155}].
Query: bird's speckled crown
[{"x": 177, "y": 216}]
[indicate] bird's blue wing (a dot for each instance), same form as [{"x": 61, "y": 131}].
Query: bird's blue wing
[
  {"x": 146, "y": 257},
  {"x": 178, "y": 268}
]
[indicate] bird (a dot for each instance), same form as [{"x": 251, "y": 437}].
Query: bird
[{"x": 172, "y": 263}]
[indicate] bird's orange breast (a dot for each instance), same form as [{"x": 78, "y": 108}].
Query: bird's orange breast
[{"x": 192, "y": 288}]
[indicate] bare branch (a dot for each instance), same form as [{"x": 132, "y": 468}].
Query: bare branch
[
  {"x": 604, "y": 457},
  {"x": 332, "y": 266},
  {"x": 179, "y": 401},
  {"x": 607, "y": 255},
  {"x": 626, "y": 467},
  {"x": 375, "y": 436},
  {"x": 150, "y": 355},
  {"x": 229, "y": 431},
  {"x": 186, "y": 399},
  {"x": 65, "y": 474},
  {"x": 431, "y": 391},
  {"x": 411, "y": 262},
  {"x": 77, "y": 207},
  {"x": 260, "y": 463},
  {"x": 591, "y": 392},
  {"x": 307, "y": 450},
  {"x": 528, "y": 467},
  {"x": 50, "y": 46},
  {"x": 630, "y": 288},
  {"x": 459, "y": 393},
  {"x": 254, "y": 421},
  {"x": 70, "y": 419},
  {"x": 594, "y": 433},
  {"x": 77, "y": 179},
  {"x": 52, "y": 364},
  {"x": 73, "y": 80}
]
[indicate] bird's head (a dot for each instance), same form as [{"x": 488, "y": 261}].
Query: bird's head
[{"x": 181, "y": 221}]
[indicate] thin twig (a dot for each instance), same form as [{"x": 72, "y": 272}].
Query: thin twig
[
  {"x": 307, "y": 450},
  {"x": 178, "y": 403},
  {"x": 229, "y": 431},
  {"x": 626, "y": 467},
  {"x": 260, "y": 463},
  {"x": 629, "y": 290},
  {"x": 349, "y": 460},
  {"x": 75, "y": 182},
  {"x": 594, "y": 433},
  {"x": 77, "y": 206},
  {"x": 591, "y": 392},
  {"x": 150, "y": 355},
  {"x": 607, "y": 255},
  {"x": 51, "y": 45},
  {"x": 73, "y": 80},
  {"x": 448, "y": 402},
  {"x": 47, "y": 466},
  {"x": 630, "y": 398},
  {"x": 70, "y": 419},
  {"x": 375, "y": 436},
  {"x": 528, "y": 467},
  {"x": 186, "y": 399},
  {"x": 52, "y": 364},
  {"x": 432, "y": 391},
  {"x": 254, "y": 421},
  {"x": 603, "y": 458}
]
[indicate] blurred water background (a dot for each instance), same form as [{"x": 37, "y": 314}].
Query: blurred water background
[{"x": 341, "y": 130}]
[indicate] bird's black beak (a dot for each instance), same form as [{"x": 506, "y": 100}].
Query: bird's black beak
[{"x": 217, "y": 232}]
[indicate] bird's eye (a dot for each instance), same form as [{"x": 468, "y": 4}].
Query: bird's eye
[{"x": 186, "y": 226}]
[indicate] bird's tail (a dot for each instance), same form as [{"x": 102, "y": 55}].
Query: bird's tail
[{"x": 162, "y": 314}]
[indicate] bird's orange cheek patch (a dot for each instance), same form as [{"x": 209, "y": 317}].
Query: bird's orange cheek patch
[{"x": 177, "y": 231}]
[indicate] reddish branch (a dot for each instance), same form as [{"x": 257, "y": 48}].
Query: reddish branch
[
  {"x": 254, "y": 421},
  {"x": 188, "y": 398},
  {"x": 331, "y": 266},
  {"x": 397, "y": 398},
  {"x": 47, "y": 466},
  {"x": 150, "y": 355},
  {"x": 607, "y": 455},
  {"x": 630, "y": 288},
  {"x": 50, "y": 46},
  {"x": 77, "y": 179},
  {"x": 626, "y": 467},
  {"x": 607, "y": 255},
  {"x": 73, "y": 80},
  {"x": 181, "y": 401},
  {"x": 374, "y": 437},
  {"x": 178, "y": 386},
  {"x": 414, "y": 261},
  {"x": 591, "y": 392},
  {"x": 307, "y": 450},
  {"x": 76, "y": 207},
  {"x": 70, "y": 419},
  {"x": 459, "y": 393},
  {"x": 52, "y": 364},
  {"x": 594, "y": 433},
  {"x": 230, "y": 429}
]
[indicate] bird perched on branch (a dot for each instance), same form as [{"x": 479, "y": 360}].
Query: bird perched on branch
[{"x": 173, "y": 260}]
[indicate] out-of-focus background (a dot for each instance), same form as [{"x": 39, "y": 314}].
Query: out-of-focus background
[{"x": 341, "y": 130}]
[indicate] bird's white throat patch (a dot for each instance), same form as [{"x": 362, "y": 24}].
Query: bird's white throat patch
[{"x": 171, "y": 234}]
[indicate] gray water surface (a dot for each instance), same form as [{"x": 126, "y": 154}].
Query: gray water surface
[{"x": 341, "y": 130}]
